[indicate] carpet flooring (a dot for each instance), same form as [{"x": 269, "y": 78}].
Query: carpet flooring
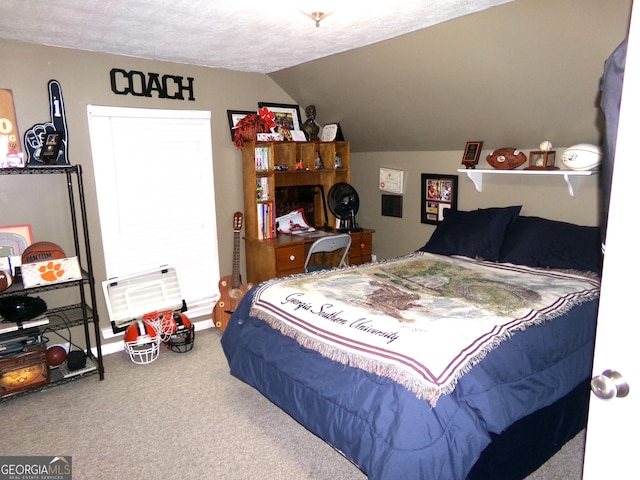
[{"x": 184, "y": 417}]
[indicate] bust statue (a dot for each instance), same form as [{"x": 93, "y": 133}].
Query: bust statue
[{"x": 310, "y": 127}]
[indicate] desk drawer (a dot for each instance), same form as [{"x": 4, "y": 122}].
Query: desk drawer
[
  {"x": 361, "y": 248},
  {"x": 290, "y": 260}
]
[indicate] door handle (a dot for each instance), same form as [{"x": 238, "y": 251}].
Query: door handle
[{"x": 609, "y": 385}]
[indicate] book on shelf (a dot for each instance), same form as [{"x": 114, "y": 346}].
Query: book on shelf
[
  {"x": 261, "y": 158},
  {"x": 262, "y": 189},
  {"x": 266, "y": 221}
]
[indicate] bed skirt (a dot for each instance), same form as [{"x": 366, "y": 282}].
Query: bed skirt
[{"x": 530, "y": 442}]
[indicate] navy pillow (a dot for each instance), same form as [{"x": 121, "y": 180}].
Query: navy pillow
[
  {"x": 478, "y": 233},
  {"x": 540, "y": 242}
]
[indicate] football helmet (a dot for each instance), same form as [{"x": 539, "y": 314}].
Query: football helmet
[
  {"x": 181, "y": 333},
  {"x": 142, "y": 342}
]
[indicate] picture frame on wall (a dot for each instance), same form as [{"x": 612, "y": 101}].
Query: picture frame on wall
[
  {"x": 234, "y": 117},
  {"x": 439, "y": 192},
  {"x": 286, "y": 116},
  {"x": 391, "y": 205}
]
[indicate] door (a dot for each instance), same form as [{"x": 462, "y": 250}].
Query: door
[{"x": 613, "y": 424}]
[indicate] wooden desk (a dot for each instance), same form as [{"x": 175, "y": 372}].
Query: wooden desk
[{"x": 285, "y": 254}]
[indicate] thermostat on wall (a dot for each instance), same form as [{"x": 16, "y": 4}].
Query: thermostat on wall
[{"x": 392, "y": 181}]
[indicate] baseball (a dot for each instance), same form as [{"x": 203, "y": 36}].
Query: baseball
[{"x": 546, "y": 146}]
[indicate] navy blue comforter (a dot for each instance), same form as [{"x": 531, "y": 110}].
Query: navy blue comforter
[{"x": 385, "y": 429}]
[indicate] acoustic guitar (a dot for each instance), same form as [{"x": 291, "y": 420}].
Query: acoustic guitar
[{"x": 231, "y": 288}]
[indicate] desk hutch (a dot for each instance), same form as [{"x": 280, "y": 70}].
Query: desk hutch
[{"x": 268, "y": 165}]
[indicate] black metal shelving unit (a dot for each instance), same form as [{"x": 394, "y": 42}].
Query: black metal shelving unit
[{"x": 83, "y": 312}]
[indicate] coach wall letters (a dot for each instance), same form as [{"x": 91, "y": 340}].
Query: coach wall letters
[{"x": 140, "y": 84}]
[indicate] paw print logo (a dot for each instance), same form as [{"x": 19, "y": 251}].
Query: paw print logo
[{"x": 51, "y": 271}]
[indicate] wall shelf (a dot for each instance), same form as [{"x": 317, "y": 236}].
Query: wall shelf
[{"x": 570, "y": 176}]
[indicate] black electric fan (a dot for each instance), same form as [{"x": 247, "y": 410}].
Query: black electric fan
[{"x": 344, "y": 203}]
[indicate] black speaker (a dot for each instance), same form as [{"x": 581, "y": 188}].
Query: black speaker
[{"x": 76, "y": 359}]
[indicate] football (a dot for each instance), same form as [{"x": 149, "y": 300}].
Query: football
[
  {"x": 583, "y": 156},
  {"x": 5, "y": 280},
  {"x": 42, "y": 251},
  {"x": 506, "y": 158},
  {"x": 56, "y": 355}
]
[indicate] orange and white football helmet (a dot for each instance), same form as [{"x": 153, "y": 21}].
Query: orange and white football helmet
[{"x": 142, "y": 342}]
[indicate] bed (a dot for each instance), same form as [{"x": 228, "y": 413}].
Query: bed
[{"x": 466, "y": 359}]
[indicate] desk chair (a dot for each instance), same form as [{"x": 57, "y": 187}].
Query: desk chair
[{"x": 328, "y": 244}]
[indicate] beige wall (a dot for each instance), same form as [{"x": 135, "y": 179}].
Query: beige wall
[
  {"x": 84, "y": 77},
  {"x": 541, "y": 196},
  {"x": 512, "y": 75}
]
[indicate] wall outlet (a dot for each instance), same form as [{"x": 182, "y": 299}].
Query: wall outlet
[{"x": 374, "y": 258}]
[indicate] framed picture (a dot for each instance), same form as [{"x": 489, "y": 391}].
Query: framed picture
[
  {"x": 439, "y": 192},
  {"x": 391, "y": 180},
  {"x": 287, "y": 116},
  {"x": 471, "y": 154},
  {"x": 331, "y": 132},
  {"x": 234, "y": 117},
  {"x": 14, "y": 239},
  {"x": 392, "y": 205}
]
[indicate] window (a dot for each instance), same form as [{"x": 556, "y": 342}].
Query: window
[{"x": 154, "y": 183}]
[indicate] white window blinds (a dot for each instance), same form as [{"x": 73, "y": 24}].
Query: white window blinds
[{"x": 154, "y": 183}]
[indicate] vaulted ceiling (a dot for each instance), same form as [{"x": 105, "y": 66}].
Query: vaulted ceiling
[
  {"x": 416, "y": 76},
  {"x": 511, "y": 76},
  {"x": 248, "y": 36}
]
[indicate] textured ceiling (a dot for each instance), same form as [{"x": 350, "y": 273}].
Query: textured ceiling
[
  {"x": 495, "y": 76},
  {"x": 511, "y": 76},
  {"x": 249, "y": 36}
]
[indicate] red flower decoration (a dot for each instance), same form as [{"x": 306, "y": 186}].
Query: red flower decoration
[
  {"x": 268, "y": 117},
  {"x": 247, "y": 128}
]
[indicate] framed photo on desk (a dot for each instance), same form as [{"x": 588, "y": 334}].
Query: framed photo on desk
[
  {"x": 287, "y": 116},
  {"x": 331, "y": 133},
  {"x": 234, "y": 117}
]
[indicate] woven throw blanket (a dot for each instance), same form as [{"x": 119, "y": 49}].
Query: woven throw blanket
[{"x": 423, "y": 320}]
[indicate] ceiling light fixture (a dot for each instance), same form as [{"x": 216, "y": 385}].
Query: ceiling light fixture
[{"x": 316, "y": 10}]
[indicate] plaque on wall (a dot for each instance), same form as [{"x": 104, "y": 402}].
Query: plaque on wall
[{"x": 392, "y": 205}]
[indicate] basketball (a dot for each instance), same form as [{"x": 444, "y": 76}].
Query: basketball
[
  {"x": 5, "y": 280},
  {"x": 41, "y": 252},
  {"x": 56, "y": 355}
]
